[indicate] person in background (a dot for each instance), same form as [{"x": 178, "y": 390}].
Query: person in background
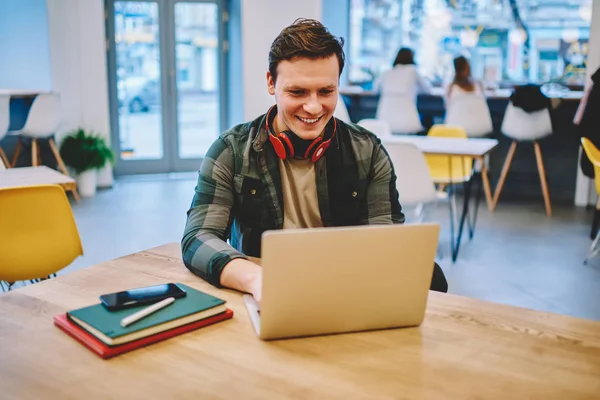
[
  {"x": 466, "y": 105},
  {"x": 398, "y": 89},
  {"x": 295, "y": 166},
  {"x": 463, "y": 82},
  {"x": 587, "y": 119}
]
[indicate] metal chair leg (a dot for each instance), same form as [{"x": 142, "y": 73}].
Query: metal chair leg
[{"x": 594, "y": 249}]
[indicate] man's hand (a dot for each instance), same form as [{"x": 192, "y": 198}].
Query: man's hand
[{"x": 243, "y": 275}]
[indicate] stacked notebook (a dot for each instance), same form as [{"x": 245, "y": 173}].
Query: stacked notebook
[{"x": 100, "y": 330}]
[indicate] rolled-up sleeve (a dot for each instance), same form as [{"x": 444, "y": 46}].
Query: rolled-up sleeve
[{"x": 204, "y": 247}]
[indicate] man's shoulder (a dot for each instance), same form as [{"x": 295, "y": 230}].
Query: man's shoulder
[
  {"x": 238, "y": 133},
  {"x": 237, "y": 137},
  {"x": 357, "y": 133}
]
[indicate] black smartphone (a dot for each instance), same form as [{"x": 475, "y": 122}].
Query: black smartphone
[{"x": 139, "y": 296}]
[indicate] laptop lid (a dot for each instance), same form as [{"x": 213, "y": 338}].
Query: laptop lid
[{"x": 345, "y": 279}]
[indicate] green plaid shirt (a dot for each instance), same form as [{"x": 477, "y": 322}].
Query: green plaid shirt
[{"x": 239, "y": 195}]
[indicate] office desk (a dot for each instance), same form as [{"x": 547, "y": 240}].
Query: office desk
[
  {"x": 472, "y": 147},
  {"x": 465, "y": 348},
  {"x": 33, "y": 176}
]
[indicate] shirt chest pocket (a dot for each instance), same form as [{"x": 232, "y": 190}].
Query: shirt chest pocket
[{"x": 250, "y": 200}]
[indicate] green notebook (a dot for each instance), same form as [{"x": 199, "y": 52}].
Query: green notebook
[{"x": 106, "y": 325}]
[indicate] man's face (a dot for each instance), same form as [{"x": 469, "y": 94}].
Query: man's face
[{"x": 306, "y": 94}]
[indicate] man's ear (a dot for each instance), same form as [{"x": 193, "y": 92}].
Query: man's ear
[{"x": 270, "y": 83}]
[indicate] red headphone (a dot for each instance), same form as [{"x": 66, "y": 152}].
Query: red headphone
[{"x": 282, "y": 142}]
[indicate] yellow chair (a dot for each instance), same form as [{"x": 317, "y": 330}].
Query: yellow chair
[
  {"x": 440, "y": 166},
  {"x": 594, "y": 155},
  {"x": 38, "y": 235}
]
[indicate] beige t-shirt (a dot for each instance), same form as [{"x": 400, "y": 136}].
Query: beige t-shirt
[{"x": 300, "y": 201}]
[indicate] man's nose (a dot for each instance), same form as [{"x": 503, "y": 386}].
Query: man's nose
[{"x": 313, "y": 106}]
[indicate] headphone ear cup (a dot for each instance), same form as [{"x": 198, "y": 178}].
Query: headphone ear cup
[
  {"x": 278, "y": 146},
  {"x": 320, "y": 150},
  {"x": 287, "y": 144}
]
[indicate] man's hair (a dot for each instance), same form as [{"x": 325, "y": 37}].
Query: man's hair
[{"x": 305, "y": 38}]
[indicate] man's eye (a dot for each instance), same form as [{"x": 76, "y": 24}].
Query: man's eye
[
  {"x": 297, "y": 92},
  {"x": 326, "y": 92}
]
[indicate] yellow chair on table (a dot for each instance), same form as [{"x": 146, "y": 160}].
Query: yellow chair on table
[
  {"x": 440, "y": 166},
  {"x": 449, "y": 170},
  {"x": 38, "y": 234},
  {"x": 594, "y": 155}
]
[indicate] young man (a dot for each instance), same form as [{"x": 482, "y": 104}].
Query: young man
[{"x": 294, "y": 167}]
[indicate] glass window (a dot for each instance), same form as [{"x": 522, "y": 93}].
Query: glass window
[{"x": 506, "y": 41}]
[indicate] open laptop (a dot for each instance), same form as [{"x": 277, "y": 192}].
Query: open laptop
[{"x": 334, "y": 280}]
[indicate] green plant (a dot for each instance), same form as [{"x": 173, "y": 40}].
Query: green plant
[{"x": 84, "y": 151}]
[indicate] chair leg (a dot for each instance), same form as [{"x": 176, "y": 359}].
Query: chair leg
[
  {"x": 17, "y": 152},
  {"x": 59, "y": 160},
  {"x": 486, "y": 187},
  {"x": 593, "y": 250},
  {"x": 3, "y": 158},
  {"x": 505, "y": 168},
  {"x": 595, "y": 221},
  {"x": 542, "y": 172},
  {"x": 34, "y": 153}
]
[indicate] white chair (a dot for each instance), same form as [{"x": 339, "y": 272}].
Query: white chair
[
  {"x": 4, "y": 122},
  {"x": 377, "y": 126},
  {"x": 400, "y": 112},
  {"x": 413, "y": 180},
  {"x": 521, "y": 126},
  {"x": 42, "y": 122},
  {"x": 470, "y": 111},
  {"x": 341, "y": 111}
]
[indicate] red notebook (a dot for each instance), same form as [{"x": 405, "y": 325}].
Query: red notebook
[{"x": 104, "y": 351}]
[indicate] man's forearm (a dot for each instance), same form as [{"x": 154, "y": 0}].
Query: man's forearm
[{"x": 241, "y": 274}]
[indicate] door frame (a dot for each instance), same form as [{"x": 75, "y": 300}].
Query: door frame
[{"x": 168, "y": 84}]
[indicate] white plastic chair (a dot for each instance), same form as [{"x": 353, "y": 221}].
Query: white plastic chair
[
  {"x": 42, "y": 122},
  {"x": 400, "y": 112},
  {"x": 4, "y": 122},
  {"x": 377, "y": 126},
  {"x": 521, "y": 126},
  {"x": 470, "y": 111},
  {"x": 341, "y": 111}
]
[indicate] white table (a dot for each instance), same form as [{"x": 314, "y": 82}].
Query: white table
[
  {"x": 33, "y": 176},
  {"x": 476, "y": 148}
]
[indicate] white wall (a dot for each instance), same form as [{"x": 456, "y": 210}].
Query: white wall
[
  {"x": 262, "y": 20},
  {"x": 584, "y": 189},
  {"x": 78, "y": 65}
]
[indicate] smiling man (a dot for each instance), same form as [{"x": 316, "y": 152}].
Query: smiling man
[{"x": 296, "y": 166}]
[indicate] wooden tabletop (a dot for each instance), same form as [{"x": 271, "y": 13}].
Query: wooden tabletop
[
  {"x": 33, "y": 176},
  {"x": 464, "y": 349},
  {"x": 472, "y": 147}
]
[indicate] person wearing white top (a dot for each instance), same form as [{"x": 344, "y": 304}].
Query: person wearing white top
[
  {"x": 398, "y": 89},
  {"x": 466, "y": 105}
]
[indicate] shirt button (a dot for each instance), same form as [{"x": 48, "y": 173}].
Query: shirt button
[
  {"x": 354, "y": 194},
  {"x": 252, "y": 191}
]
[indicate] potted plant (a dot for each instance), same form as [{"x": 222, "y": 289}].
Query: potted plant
[{"x": 85, "y": 152}]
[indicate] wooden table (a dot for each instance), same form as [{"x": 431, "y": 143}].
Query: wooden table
[
  {"x": 33, "y": 176},
  {"x": 464, "y": 349},
  {"x": 476, "y": 148}
]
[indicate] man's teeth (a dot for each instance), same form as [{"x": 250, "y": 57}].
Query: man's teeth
[{"x": 308, "y": 120}]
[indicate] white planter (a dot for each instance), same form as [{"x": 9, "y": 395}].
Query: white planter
[{"x": 86, "y": 183}]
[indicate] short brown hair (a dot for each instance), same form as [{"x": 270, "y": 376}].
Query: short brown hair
[
  {"x": 305, "y": 38},
  {"x": 405, "y": 56}
]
